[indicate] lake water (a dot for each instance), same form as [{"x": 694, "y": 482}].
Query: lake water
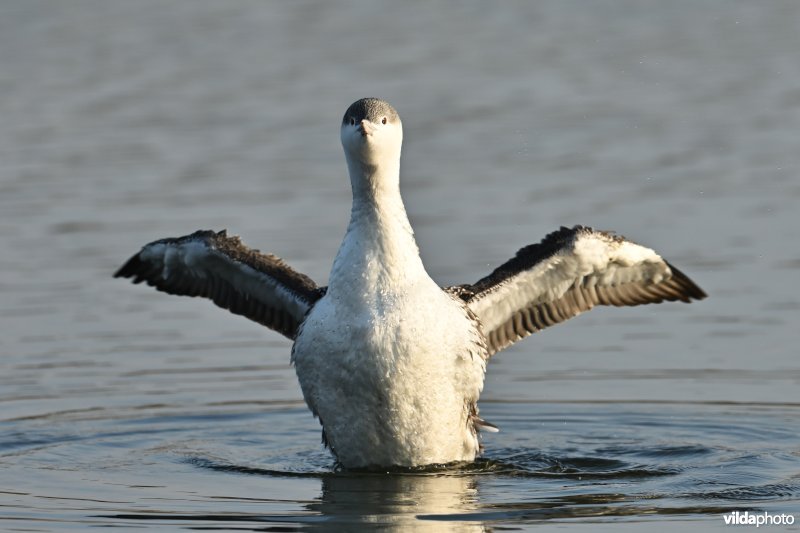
[{"x": 675, "y": 123}]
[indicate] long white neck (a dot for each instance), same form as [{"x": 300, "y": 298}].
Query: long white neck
[{"x": 378, "y": 252}]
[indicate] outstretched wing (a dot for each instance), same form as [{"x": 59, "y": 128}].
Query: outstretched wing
[
  {"x": 570, "y": 271},
  {"x": 242, "y": 280}
]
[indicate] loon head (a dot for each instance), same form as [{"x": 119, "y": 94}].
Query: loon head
[{"x": 371, "y": 134}]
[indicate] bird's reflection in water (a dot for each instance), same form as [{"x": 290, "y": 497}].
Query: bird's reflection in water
[{"x": 396, "y": 502}]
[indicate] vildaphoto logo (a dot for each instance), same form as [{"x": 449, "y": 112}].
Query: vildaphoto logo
[{"x": 746, "y": 518}]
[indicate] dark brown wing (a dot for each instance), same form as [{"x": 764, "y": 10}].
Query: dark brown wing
[
  {"x": 569, "y": 272},
  {"x": 244, "y": 281}
]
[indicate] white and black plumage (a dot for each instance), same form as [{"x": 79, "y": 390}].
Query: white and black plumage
[{"x": 391, "y": 363}]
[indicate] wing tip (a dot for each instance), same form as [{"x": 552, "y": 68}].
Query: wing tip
[
  {"x": 137, "y": 268},
  {"x": 130, "y": 269},
  {"x": 689, "y": 289}
]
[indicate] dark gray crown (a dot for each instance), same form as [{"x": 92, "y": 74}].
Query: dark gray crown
[{"x": 372, "y": 109}]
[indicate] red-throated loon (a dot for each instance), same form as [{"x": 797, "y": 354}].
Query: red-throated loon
[{"x": 391, "y": 363}]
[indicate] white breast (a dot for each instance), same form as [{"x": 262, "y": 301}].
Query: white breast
[{"x": 392, "y": 385}]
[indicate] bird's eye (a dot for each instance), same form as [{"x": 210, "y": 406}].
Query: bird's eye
[
  {"x": 352, "y": 121},
  {"x": 383, "y": 121}
]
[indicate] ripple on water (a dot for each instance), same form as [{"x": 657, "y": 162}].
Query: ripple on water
[{"x": 565, "y": 461}]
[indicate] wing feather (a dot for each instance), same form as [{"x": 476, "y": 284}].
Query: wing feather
[
  {"x": 244, "y": 281},
  {"x": 569, "y": 272}
]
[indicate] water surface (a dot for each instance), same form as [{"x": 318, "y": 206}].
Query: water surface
[{"x": 673, "y": 123}]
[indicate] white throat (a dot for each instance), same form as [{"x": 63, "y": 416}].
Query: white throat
[{"x": 378, "y": 253}]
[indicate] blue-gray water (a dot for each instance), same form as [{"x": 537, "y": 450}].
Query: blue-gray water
[{"x": 675, "y": 123}]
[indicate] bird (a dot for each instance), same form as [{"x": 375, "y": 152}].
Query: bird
[{"x": 391, "y": 363}]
